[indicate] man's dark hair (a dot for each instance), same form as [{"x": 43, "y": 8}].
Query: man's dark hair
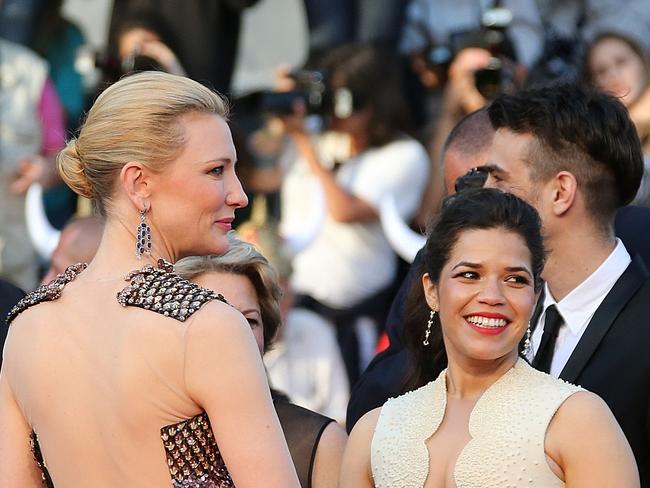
[
  {"x": 472, "y": 209},
  {"x": 580, "y": 130}
]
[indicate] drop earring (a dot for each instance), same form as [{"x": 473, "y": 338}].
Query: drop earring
[
  {"x": 143, "y": 236},
  {"x": 427, "y": 332},
  {"x": 526, "y": 350}
]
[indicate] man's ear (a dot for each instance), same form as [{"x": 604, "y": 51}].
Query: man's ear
[
  {"x": 430, "y": 292},
  {"x": 134, "y": 180},
  {"x": 565, "y": 191}
]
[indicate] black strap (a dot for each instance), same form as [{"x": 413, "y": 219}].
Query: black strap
[{"x": 544, "y": 356}]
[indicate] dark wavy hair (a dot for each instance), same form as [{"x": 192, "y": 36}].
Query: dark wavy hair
[{"x": 471, "y": 209}]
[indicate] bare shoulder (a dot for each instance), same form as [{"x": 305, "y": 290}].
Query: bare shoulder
[
  {"x": 585, "y": 440},
  {"x": 329, "y": 454},
  {"x": 582, "y": 409},
  {"x": 216, "y": 319},
  {"x": 367, "y": 424},
  {"x": 356, "y": 469}
]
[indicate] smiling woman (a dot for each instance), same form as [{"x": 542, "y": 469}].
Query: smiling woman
[{"x": 478, "y": 414}]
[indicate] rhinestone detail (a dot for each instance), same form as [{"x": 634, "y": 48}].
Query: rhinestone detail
[
  {"x": 46, "y": 293},
  {"x": 193, "y": 456},
  {"x": 162, "y": 291}
]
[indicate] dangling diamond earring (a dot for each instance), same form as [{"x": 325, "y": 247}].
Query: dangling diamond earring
[
  {"x": 143, "y": 237},
  {"x": 427, "y": 332},
  {"x": 526, "y": 348}
]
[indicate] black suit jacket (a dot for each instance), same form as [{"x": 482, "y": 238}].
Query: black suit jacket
[{"x": 612, "y": 359}]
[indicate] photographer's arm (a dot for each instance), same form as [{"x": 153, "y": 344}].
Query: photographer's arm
[{"x": 341, "y": 205}]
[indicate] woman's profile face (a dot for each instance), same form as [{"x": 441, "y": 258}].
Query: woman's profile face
[
  {"x": 485, "y": 295},
  {"x": 616, "y": 68},
  {"x": 193, "y": 199},
  {"x": 241, "y": 294}
]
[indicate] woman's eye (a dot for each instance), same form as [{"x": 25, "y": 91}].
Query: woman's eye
[
  {"x": 218, "y": 171},
  {"x": 519, "y": 280},
  {"x": 469, "y": 275},
  {"x": 253, "y": 323}
]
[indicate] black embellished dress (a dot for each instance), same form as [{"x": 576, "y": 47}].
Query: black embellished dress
[{"x": 192, "y": 453}]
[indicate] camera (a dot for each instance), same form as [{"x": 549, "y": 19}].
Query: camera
[
  {"x": 310, "y": 87},
  {"x": 498, "y": 76}
]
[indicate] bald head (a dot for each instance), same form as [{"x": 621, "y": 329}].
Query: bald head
[
  {"x": 467, "y": 146},
  {"x": 78, "y": 244}
]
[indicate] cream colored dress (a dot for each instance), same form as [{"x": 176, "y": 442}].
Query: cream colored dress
[{"x": 507, "y": 427}]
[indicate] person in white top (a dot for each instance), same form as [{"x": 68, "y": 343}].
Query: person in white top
[
  {"x": 364, "y": 157},
  {"x": 575, "y": 155}
]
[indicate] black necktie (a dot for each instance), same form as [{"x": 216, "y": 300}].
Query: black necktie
[{"x": 544, "y": 356}]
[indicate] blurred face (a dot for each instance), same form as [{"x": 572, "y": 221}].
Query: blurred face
[
  {"x": 485, "y": 295},
  {"x": 193, "y": 200},
  {"x": 241, "y": 294},
  {"x": 617, "y": 69}
]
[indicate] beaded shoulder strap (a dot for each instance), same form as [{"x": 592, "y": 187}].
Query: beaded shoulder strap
[
  {"x": 46, "y": 293},
  {"x": 163, "y": 291}
]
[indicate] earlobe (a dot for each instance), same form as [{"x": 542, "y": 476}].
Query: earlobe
[{"x": 430, "y": 292}]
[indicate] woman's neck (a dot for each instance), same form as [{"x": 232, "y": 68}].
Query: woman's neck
[{"x": 468, "y": 379}]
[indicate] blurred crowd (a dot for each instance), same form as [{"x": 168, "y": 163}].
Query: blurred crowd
[{"x": 341, "y": 158}]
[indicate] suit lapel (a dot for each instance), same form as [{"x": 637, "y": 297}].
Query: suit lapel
[{"x": 629, "y": 282}]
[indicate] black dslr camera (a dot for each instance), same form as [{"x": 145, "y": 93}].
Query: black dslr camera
[
  {"x": 498, "y": 76},
  {"x": 311, "y": 88}
]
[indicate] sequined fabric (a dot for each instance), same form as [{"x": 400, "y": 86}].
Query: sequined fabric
[
  {"x": 160, "y": 290},
  {"x": 38, "y": 457},
  {"x": 48, "y": 292},
  {"x": 193, "y": 457},
  {"x": 507, "y": 427}
]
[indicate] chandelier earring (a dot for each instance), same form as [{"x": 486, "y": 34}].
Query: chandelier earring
[
  {"x": 526, "y": 350},
  {"x": 427, "y": 331},
  {"x": 143, "y": 236}
]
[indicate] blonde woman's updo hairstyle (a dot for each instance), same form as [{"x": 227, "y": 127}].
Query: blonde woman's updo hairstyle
[
  {"x": 243, "y": 259},
  {"x": 135, "y": 119}
]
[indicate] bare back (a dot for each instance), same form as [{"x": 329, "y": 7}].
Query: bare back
[{"x": 97, "y": 381}]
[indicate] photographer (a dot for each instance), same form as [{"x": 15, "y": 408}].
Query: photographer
[
  {"x": 465, "y": 54},
  {"x": 364, "y": 156}
]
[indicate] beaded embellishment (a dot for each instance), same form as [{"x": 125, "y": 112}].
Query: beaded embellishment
[
  {"x": 48, "y": 292},
  {"x": 160, "y": 290},
  {"x": 193, "y": 456}
]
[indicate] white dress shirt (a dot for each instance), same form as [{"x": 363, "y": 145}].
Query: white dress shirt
[{"x": 579, "y": 306}]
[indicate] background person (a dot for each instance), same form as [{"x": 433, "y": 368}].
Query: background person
[
  {"x": 469, "y": 312},
  {"x": 365, "y": 155},
  {"x": 618, "y": 65},
  {"x": 156, "y": 155}
]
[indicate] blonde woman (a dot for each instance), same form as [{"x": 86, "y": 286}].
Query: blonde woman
[
  {"x": 131, "y": 383},
  {"x": 249, "y": 283}
]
